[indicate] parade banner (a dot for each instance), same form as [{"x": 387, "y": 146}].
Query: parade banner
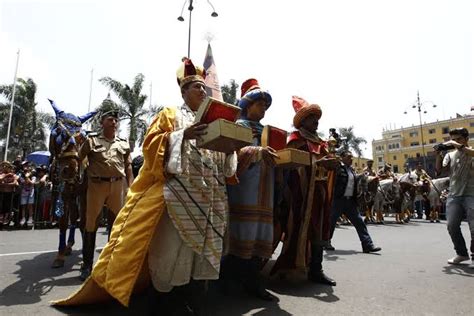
[{"x": 213, "y": 88}]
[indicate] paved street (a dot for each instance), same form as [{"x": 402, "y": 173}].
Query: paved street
[{"x": 409, "y": 277}]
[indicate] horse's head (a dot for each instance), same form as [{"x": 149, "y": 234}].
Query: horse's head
[
  {"x": 67, "y": 132},
  {"x": 412, "y": 177},
  {"x": 66, "y": 137}
]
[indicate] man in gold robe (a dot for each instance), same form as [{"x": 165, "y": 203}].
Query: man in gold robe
[{"x": 171, "y": 228}]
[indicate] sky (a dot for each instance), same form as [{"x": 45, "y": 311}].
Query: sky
[{"x": 361, "y": 61}]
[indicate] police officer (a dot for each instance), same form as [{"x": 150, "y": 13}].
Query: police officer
[{"x": 109, "y": 164}]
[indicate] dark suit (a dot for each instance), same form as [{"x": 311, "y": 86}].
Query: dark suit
[{"x": 348, "y": 205}]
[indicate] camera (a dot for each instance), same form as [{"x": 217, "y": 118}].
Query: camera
[{"x": 443, "y": 147}]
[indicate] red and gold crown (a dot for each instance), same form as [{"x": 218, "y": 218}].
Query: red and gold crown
[{"x": 188, "y": 73}]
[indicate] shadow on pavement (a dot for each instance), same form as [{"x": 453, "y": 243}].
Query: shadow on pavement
[
  {"x": 333, "y": 255},
  {"x": 295, "y": 283},
  {"x": 137, "y": 307},
  {"x": 36, "y": 278},
  {"x": 304, "y": 288},
  {"x": 459, "y": 269},
  {"x": 213, "y": 303}
]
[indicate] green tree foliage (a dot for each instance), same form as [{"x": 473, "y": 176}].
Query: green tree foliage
[
  {"x": 229, "y": 92},
  {"x": 351, "y": 142},
  {"x": 30, "y": 127},
  {"x": 131, "y": 106}
]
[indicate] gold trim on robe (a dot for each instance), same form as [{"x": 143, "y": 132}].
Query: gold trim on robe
[{"x": 121, "y": 266}]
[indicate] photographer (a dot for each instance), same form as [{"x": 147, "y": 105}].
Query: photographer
[{"x": 460, "y": 164}]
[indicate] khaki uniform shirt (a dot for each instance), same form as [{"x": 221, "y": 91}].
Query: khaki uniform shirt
[{"x": 107, "y": 158}]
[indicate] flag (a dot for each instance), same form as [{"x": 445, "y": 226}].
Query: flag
[{"x": 213, "y": 88}]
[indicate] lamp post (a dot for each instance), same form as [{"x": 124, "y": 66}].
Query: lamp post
[
  {"x": 190, "y": 8},
  {"x": 418, "y": 105}
]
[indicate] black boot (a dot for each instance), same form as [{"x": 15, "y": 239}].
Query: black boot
[
  {"x": 254, "y": 284},
  {"x": 316, "y": 273},
  {"x": 228, "y": 274},
  {"x": 159, "y": 303},
  {"x": 88, "y": 246}
]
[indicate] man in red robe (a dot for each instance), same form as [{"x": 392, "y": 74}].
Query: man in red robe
[{"x": 306, "y": 226}]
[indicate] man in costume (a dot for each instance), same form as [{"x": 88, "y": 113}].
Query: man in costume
[
  {"x": 251, "y": 200},
  {"x": 176, "y": 209},
  {"x": 307, "y": 224},
  {"x": 345, "y": 202},
  {"x": 109, "y": 163}
]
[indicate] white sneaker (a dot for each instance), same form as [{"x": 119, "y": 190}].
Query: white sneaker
[
  {"x": 471, "y": 266},
  {"x": 458, "y": 259}
]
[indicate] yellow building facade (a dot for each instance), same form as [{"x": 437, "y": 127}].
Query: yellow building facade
[
  {"x": 359, "y": 163},
  {"x": 401, "y": 145}
]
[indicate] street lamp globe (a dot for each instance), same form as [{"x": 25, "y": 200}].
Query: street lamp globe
[{"x": 190, "y": 9}]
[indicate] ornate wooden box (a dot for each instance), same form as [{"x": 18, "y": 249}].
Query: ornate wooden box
[
  {"x": 223, "y": 134},
  {"x": 288, "y": 157}
]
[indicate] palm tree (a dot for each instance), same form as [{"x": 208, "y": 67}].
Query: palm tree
[
  {"x": 351, "y": 141},
  {"x": 131, "y": 106},
  {"x": 28, "y": 128},
  {"x": 229, "y": 92}
]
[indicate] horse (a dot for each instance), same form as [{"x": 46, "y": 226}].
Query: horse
[
  {"x": 388, "y": 193},
  {"x": 437, "y": 186},
  {"x": 408, "y": 183},
  {"x": 366, "y": 190},
  {"x": 65, "y": 140},
  {"x": 376, "y": 198}
]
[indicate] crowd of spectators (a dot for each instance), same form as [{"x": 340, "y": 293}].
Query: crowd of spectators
[{"x": 25, "y": 194}]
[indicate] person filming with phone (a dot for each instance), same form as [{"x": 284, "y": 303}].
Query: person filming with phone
[{"x": 460, "y": 202}]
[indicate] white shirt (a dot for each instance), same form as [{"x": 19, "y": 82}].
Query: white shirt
[{"x": 350, "y": 183}]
